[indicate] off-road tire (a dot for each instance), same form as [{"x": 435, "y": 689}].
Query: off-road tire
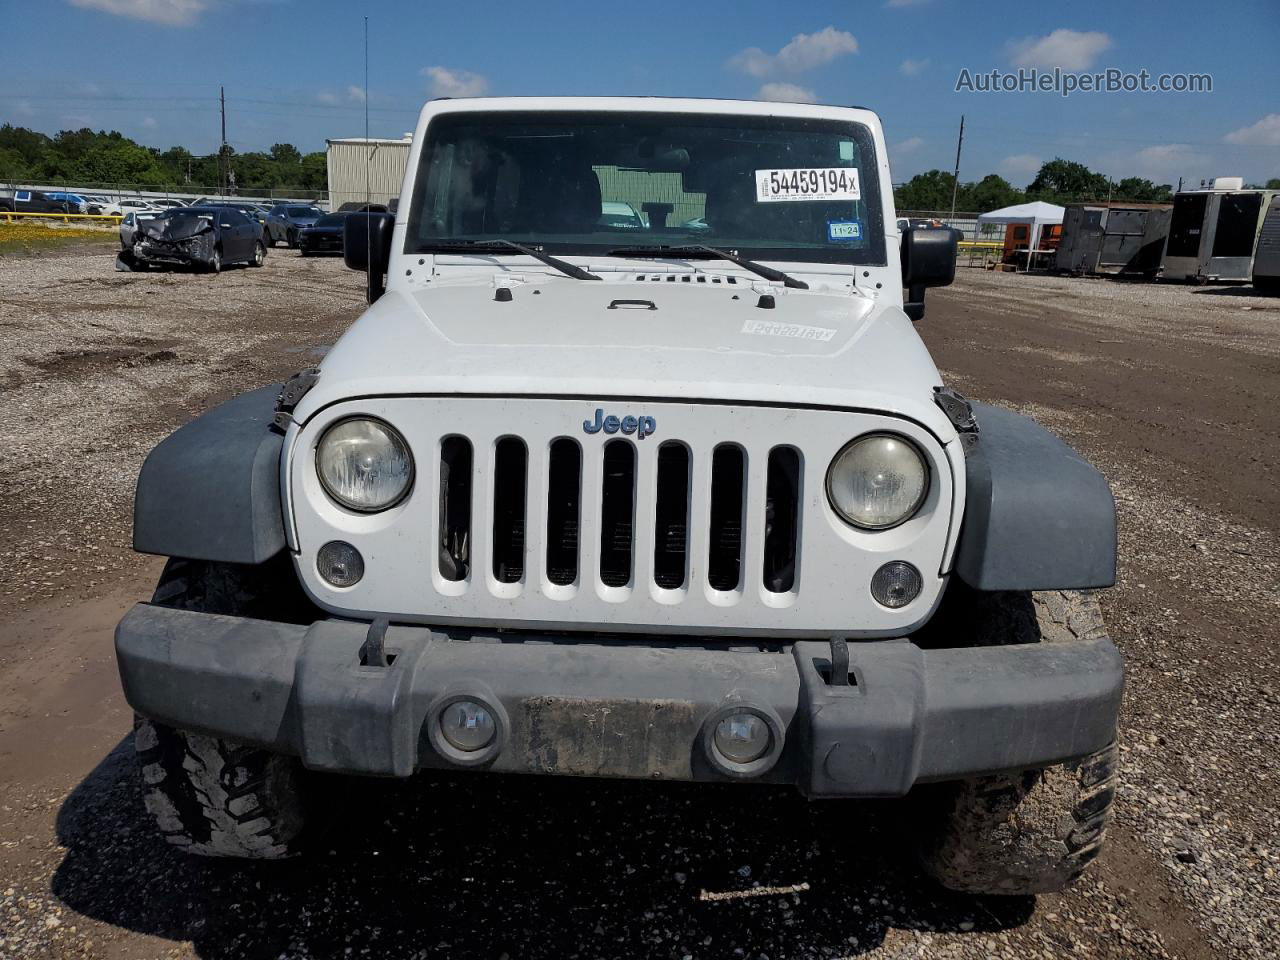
[
  {"x": 219, "y": 799},
  {"x": 1032, "y": 831},
  {"x": 211, "y": 796}
]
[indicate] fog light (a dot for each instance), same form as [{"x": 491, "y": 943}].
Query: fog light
[
  {"x": 340, "y": 563},
  {"x": 467, "y": 725},
  {"x": 896, "y": 584},
  {"x": 742, "y": 737}
]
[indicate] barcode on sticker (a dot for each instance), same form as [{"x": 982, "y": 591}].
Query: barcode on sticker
[{"x": 809, "y": 183}]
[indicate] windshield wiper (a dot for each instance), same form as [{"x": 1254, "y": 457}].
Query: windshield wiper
[
  {"x": 564, "y": 266},
  {"x": 684, "y": 251}
]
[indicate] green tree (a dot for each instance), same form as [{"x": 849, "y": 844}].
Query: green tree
[
  {"x": 990, "y": 193},
  {"x": 1273, "y": 183},
  {"x": 925, "y": 191},
  {"x": 286, "y": 155},
  {"x": 1062, "y": 181},
  {"x": 1141, "y": 190}
]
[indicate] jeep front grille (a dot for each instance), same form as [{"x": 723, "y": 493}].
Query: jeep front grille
[
  {"x": 522, "y": 516},
  {"x": 664, "y": 504}
]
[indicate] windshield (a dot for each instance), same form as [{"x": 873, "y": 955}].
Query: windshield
[
  {"x": 303, "y": 212},
  {"x": 331, "y": 220},
  {"x": 774, "y": 188}
]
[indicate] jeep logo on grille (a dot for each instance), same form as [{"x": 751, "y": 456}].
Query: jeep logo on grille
[{"x": 641, "y": 426}]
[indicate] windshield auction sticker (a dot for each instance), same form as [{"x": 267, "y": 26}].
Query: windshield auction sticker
[{"x": 811, "y": 183}]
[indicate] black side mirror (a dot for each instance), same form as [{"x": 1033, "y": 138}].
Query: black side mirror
[
  {"x": 928, "y": 260},
  {"x": 366, "y": 245}
]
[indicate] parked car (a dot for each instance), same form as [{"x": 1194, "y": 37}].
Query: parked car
[
  {"x": 286, "y": 219},
  {"x": 69, "y": 202},
  {"x": 102, "y": 204},
  {"x": 29, "y": 201},
  {"x": 741, "y": 534},
  {"x": 324, "y": 236},
  {"x": 137, "y": 204},
  {"x": 250, "y": 210},
  {"x": 207, "y": 238},
  {"x": 168, "y": 202},
  {"x": 129, "y": 225},
  {"x": 354, "y": 206}
]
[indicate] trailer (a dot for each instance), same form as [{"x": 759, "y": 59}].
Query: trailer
[
  {"x": 1121, "y": 239},
  {"x": 1266, "y": 260},
  {"x": 1213, "y": 233}
]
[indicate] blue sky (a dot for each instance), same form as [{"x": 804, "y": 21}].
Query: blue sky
[{"x": 293, "y": 70}]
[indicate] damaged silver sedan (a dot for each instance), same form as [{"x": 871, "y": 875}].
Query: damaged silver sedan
[{"x": 206, "y": 238}]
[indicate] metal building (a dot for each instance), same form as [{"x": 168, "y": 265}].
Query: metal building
[
  {"x": 1119, "y": 239},
  {"x": 361, "y": 169}
]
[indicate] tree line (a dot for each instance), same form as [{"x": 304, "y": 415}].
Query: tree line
[
  {"x": 1058, "y": 181},
  {"x": 85, "y": 156}
]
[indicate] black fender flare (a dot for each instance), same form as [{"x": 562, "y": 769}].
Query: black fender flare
[
  {"x": 211, "y": 489},
  {"x": 1037, "y": 515}
]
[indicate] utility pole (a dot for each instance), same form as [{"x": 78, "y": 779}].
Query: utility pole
[
  {"x": 955, "y": 182},
  {"x": 222, "y": 151}
]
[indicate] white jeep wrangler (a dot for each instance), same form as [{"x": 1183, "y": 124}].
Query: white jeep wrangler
[{"x": 677, "y": 495}]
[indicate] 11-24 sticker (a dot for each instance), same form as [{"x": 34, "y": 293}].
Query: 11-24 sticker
[{"x": 808, "y": 183}]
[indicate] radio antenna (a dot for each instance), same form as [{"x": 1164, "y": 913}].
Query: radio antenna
[{"x": 368, "y": 159}]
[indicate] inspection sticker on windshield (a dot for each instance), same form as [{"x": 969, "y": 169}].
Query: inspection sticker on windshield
[
  {"x": 811, "y": 183},
  {"x": 844, "y": 229}
]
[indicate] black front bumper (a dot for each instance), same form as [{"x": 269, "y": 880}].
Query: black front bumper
[{"x": 622, "y": 710}]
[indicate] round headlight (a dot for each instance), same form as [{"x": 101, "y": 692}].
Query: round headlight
[
  {"x": 877, "y": 481},
  {"x": 364, "y": 464}
]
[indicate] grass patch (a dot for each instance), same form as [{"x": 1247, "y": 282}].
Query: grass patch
[{"x": 29, "y": 238}]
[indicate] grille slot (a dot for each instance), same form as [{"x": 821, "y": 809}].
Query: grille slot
[
  {"x": 724, "y": 551},
  {"x": 782, "y": 508},
  {"x": 617, "y": 512},
  {"x": 564, "y": 485},
  {"x": 455, "y": 508},
  {"x": 510, "y": 473},
  {"x": 671, "y": 517}
]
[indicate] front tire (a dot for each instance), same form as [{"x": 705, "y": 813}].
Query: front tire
[
  {"x": 259, "y": 255},
  {"x": 216, "y": 798},
  {"x": 1029, "y": 831},
  {"x": 210, "y": 796},
  {"x": 215, "y": 261}
]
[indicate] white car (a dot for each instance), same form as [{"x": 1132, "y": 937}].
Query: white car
[
  {"x": 672, "y": 502},
  {"x": 129, "y": 225}
]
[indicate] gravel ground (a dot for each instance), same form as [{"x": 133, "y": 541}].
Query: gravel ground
[{"x": 1169, "y": 390}]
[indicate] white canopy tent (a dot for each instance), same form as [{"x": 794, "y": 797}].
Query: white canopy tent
[{"x": 1036, "y": 214}]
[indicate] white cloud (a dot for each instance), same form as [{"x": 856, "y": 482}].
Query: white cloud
[
  {"x": 913, "y": 68},
  {"x": 1264, "y": 133},
  {"x": 905, "y": 3},
  {"x": 444, "y": 82},
  {"x": 324, "y": 96},
  {"x": 1068, "y": 49},
  {"x": 804, "y": 52},
  {"x": 171, "y": 13},
  {"x": 1020, "y": 164},
  {"x": 149, "y": 123},
  {"x": 786, "y": 93},
  {"x": 24, "y": 107},
  {"x": 909, "y": 145},
  {"x": 355, "y": 93},
  {"x": 1164, "y": 163}
]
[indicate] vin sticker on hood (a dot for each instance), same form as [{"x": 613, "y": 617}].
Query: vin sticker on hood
[
  {"x": 795, "y": 331},
  {"x": 809, "y": 183}
]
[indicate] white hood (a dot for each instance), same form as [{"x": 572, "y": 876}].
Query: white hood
[{"x": 700, "y": 340}]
